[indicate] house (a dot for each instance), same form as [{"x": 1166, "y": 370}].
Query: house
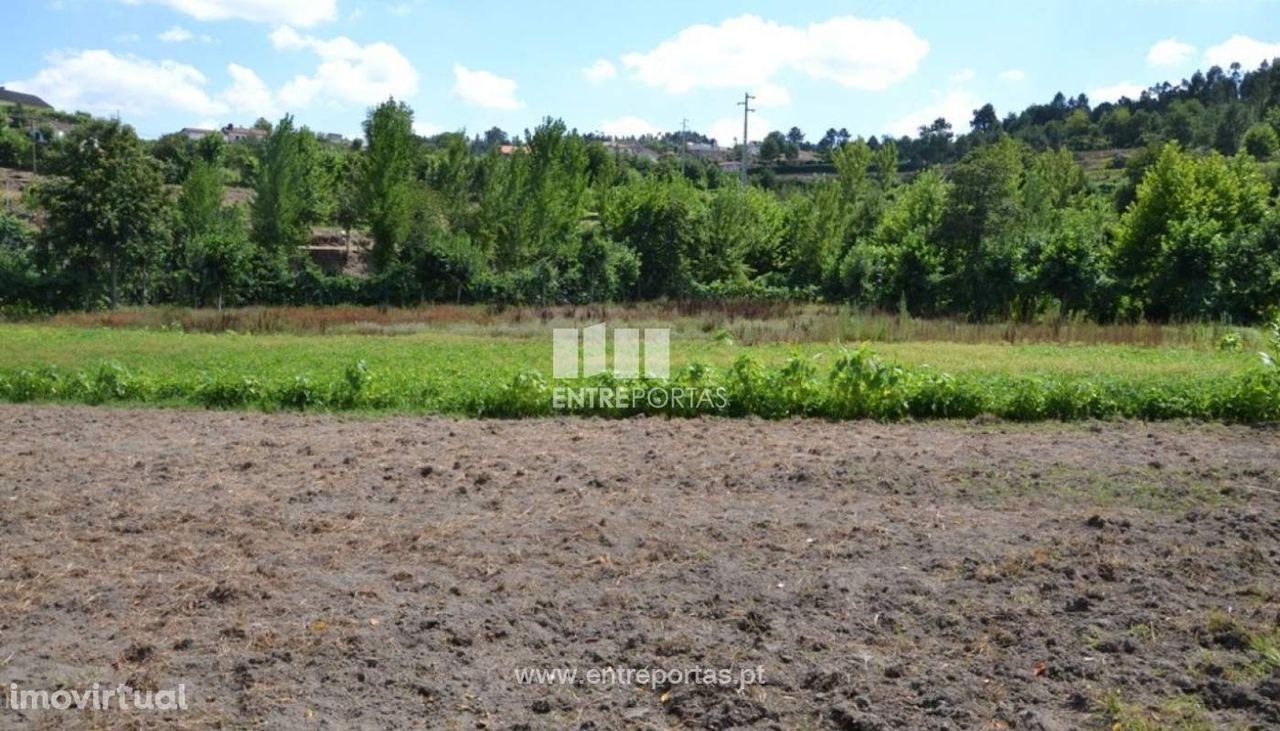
[
  {"x": 195, "y": 133},
  {"x": 230, "y": 133},
  {"x": 15, "y": 98}
]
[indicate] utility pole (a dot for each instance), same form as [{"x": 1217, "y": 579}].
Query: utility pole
[
  {"x": 746, "y": 109},
  {"x": 684, "y": 143}
]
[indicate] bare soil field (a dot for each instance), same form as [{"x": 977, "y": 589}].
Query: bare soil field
[{"x": 304, "y": 571}]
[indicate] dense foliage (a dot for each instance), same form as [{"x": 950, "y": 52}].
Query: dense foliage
[
  {"x": 1000, "y": 222},
  {"x": 857, "y": 385}
]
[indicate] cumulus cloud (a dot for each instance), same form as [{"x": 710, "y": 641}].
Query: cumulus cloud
[
  {"x": 176, "y": 34},
  {"x": 1170, "y": 52},
  {"x": 348, "y": 72},
  {"x": 103, "y": 82},
  {"x": 956, "y": 107},
  {"x": 248, "y": 96},
  {"x": 749, "y": 51},
  {"x": 771, "y": 95},
  {"x": 629, "y": 127},
  {"x": 1116, "y": 92},
  {"x": 303, "y": 13},
  {"x": 484, "y": 89},
  {"x": 427, "y": 129},
  {"x": 728, "y": 129},
  {"x": 1248, "y": 52},
  {"x": 1014, "y": 75},
  {"x": 601, "y": 70}
]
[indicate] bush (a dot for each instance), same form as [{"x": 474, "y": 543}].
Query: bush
[{"x": 1261, "y": 141}]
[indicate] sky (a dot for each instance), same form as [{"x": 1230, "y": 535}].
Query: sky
[{"x": 871, "y": 66}]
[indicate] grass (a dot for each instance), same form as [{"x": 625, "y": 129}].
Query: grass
[{"x": 473, "y": 361}]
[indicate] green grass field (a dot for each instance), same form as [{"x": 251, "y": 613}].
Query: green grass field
[{"x": 505, "y": 369}]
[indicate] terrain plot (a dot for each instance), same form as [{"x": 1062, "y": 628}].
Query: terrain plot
[{"x": 313, "y": 571}]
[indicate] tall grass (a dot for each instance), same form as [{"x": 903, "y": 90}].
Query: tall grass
[{"x": 747, "y": 323}]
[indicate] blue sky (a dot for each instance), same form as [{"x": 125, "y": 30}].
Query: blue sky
[{"x": 872, "y": 66}]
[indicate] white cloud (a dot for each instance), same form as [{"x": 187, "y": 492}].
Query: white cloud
[
  {"x": 248, "y": 97},
  {"x": 725, "y": 131},
  {"x": 956, "y": 107},
  {"x": 348, "y": 72},
  {"x": 304, "y": 13},
  {"x": 1014, "y": 75},
  {"x": 1115, "y": 92},
  {"x": 629, "y": 127},
  {"x": 749, "y": 51},
  {"x": 102, "y": 82},
  {"x": 484, "y": 89},
  {"x": 427, "y": 129},
  {"x": 601, "y": 70},
  {"x": 1248, "y": 52},
  {"x": 771, "y": 95},
  {"x": 963, "y": 75},
  {"x": 1170, "y": 52},
  {"x": 176, "y": 34}
]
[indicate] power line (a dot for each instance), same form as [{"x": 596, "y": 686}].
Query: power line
[{"x": 746, "y": 110}]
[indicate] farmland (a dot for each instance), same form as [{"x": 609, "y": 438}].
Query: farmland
[
  {"x": 323, "y": 571},
  {"x": 800, "y": 361}
]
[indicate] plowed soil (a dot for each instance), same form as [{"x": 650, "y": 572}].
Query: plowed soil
[{"x": 304, "y": 571}]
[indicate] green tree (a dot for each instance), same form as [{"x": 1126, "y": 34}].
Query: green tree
[
  {"x": 663, "y": 223},
  {"x": 107, "y": 218},
  {"x": 773, "y": 146},
  {"x": 1232, "y": 123},
  {"x": 284, "y": 190},
  {"x": 985, "y": 121},
  {"x": 1261, "y": 141},
  {"x": 388, "y": 178},
  {"x": 744, "y": 233},
  {"x": 1172, "y": 242},
  {"x": 983, "y": 212}
]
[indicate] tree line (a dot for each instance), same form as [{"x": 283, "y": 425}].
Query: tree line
[{"x": 999, "y": 223}]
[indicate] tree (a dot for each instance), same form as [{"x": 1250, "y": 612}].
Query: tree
[
  {"x": 935, "y": 141},
  {"x": 282, "y": 190},
  {"x": 388, "y": 177},
  {"x": 200, "y": 203},
  {"x": 773, "y": 146},
  {"x": 985, "y": 120},
  {"x": 662, "y": 223},
  {"x": 1231, "y": 128},
  {"x": 795, "y": 137},
  {"x": 1172, "y": 242},
  {"x": 980, "y": 220},
  {"x": 109, "y": 213},
  {"x": 1261, "y": 141},
  {"x": 744, "y": 233}
]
